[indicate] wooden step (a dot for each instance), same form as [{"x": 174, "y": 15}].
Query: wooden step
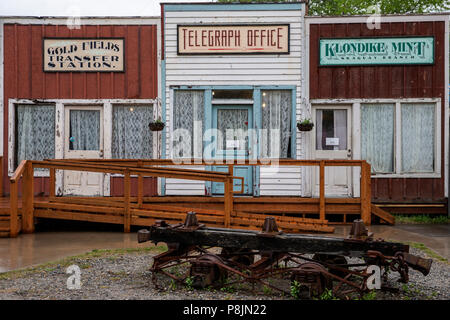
[
  {"x": 4, "y": 234},
  {"x": 385, "y": 216},
  {"x": 4, "y": 224}
]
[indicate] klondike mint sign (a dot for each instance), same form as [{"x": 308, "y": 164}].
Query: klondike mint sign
[{"x": 376, "y": 51}]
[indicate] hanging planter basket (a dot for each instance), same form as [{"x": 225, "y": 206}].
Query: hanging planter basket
[
  {"x": 156, "y": 126},
  {"x": 305, "y": 126}
]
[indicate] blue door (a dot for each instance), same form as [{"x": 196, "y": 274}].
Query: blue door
[{"x": 233, "y": 142}]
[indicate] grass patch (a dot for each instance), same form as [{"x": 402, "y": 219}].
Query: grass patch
[
  {"x": 84, "y": 264},
  {"x": 428, "y": 251},
  {"x": 421, "y": 219}
]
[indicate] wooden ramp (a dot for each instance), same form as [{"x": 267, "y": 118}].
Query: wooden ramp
[
  {"x": 110, "y": 211},
  {"x": 292, "y": 214},
  {"x": 383, "y": 215}
]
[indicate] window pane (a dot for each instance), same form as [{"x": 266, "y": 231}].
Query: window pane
[
  {"x": 188, "y": 118},
  {"x": 418, "y": 128},
  {"x": 232, "y": 94},
  {"x": 377, "y": 136},
  {"x": 132, "y": 138},
  {"x": 276, "y": 124},
  {"x": 35, "y": 132},
  {"x": 84, "y": 130},
  {"x": 331, "y": 131},
  {"x": 235, "y": 121}
]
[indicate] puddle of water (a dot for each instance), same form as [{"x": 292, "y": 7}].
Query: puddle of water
[{"x": 31, "y": 249}]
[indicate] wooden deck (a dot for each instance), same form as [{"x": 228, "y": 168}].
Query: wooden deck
[{"x": 293, "y": 214}]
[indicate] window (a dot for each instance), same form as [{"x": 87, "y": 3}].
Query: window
[
  {"x": 331, "y": 123},
  {"x": 399, "y": 138},
  {"x": 276, "y": 112},
  {"x": 35, "y": 132},
  {"x": 377, "y": 136},
  {"x": 84, "y": 130},
  {"x": 131, "y": 136},
  {"x": 233, "y": 94},
  {"x": 418, "y": 127},
  {"x": 188, "y": 124}
]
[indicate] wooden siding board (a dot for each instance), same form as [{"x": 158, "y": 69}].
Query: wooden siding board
[
  {"x": 24, "y": 56},
  {"x": 37, "y": 77}
]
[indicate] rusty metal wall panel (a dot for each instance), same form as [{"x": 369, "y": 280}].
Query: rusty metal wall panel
[
  {"x": 24, "y": 76},
  {"x": 385, "y": 82}
]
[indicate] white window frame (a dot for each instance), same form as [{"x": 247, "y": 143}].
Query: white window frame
[
  {"x": 60, "y": 105},
  {"x": 356, "y": 134}
]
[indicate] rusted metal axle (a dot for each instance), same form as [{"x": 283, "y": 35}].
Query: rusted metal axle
[{"x": 216, "y": 256}]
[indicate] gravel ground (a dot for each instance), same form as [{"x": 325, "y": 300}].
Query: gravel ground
[{"x": 122, "y": 275}]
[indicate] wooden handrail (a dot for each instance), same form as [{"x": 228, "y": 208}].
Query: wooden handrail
[
  {"x": 158, "y": 172},
  {"x": 14, "y": 198},
  {"x": 19, "y": 171},
  {"x": 213, "y": 162}
]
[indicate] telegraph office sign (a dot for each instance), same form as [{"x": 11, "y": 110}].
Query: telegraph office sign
[
  {"x": 83, "y": 55},
  {"x": 376, "y": 51},
  {"x": 233, "y": 39}
]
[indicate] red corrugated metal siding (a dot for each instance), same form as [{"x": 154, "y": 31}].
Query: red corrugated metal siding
[
  {"x": 24, "y": 76},
  {"x": 385, "y": 82}
]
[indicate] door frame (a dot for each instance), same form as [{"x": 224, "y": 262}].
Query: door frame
[{"x": 350, "y": 144}]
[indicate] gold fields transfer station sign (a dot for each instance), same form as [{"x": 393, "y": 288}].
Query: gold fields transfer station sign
[
  {"x": 233, "y": 39},
  {"x": 85, "y": 55}
]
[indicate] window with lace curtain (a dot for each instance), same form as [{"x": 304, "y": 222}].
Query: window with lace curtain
[
  {"x": 35, "y": 132},
  {"x": 131, "y": 136},
  {"x": 417, "y": 136},
  {"x": 188, "y": 112},
  {"x": 276, "y": 106}
]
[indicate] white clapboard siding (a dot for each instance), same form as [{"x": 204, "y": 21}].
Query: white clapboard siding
[
  {"x": 186, "y": 187},
  {"x": 281, "y": 181},
  {"x": 235, "y": 70}
]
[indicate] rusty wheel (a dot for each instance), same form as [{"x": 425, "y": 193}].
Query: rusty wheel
[
  {"x": 311, "y": 280},
  {"x": 206, "y": 271}
]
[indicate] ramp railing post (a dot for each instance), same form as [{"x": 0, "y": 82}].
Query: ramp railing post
[
  {"x": 27, "y": 198},
  {"x": 140, "y": 186},
  {"x": 228, "y": 197},
  {"x": 322, "y": 190},
  {"x": 13, "y": 218},
  {"x": 127, "y": 190},
  {"x": 365, "y": 193},
  {"x": 52, "y": 182}
]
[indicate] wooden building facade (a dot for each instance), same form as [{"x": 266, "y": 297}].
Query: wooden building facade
[
  {"x": 78, "y": 91},
  {"x": 90, "y": 90},
  {"x": 397, "y": 110}
]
